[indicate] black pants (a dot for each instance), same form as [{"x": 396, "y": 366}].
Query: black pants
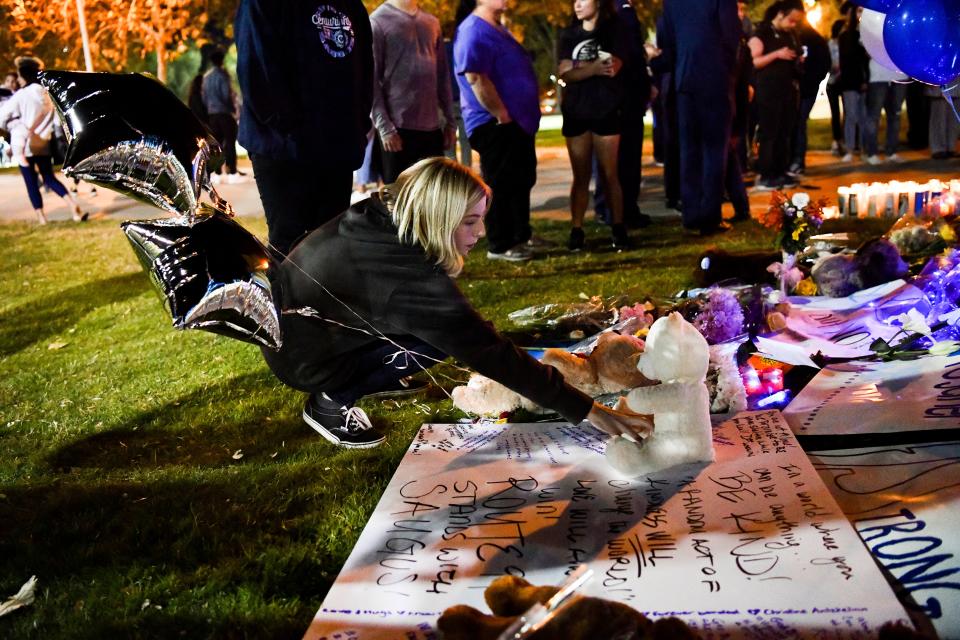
[
  {"x": 778, "y": 111},
  {"x": 508, "y": 161},
  {"x": 224, "y": 128},
  {"x": 298, "y": 197},
  {"x": 671, "y": 143},
  {"x": 381, "y": 366},
  {"x": 836, "y": 121},
  {"x": 736, "y": 190},
  {"x": 629, "y": 160},
  {"x": 704, "y": 120},
  {"x": 417, "y": 145}
]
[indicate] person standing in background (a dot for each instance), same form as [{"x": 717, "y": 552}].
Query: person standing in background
[
  {"x": 463, "y": 142},
  {"x": 815, "y": 65},
  {"x": 9, "y": 86},
  {"x": 854, "y": 80},
  {"x": 636, "y": 96},
  {"x": 221, "y": 104},
  {"x": 29, "y": 116},
  {"x": 886, "y": 91},
  {"x": 775, "y": 53},
  {"x": 411, "y": 86},
  {"x": 591, "y": 58},
  {"x": 833, "y": 90},
  {"x": 306, "y": 74},
  {"x": 700, "y": 39},
  {"x": 944, "y": 127},
  {"x": 500, "y": 99}
]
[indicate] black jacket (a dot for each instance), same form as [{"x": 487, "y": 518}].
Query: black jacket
[
  {"x": 854, "y": 61},
  {"x": 818, "y": 63},
  {"x": 379, "y": 284},
  {"x": 305, "y": 68}
]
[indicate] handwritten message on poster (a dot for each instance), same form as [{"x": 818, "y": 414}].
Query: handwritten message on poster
[
  {"x": 845, "y": 327},
  {"x": 879, "y": 397},
  {"x": 751, "y": 545},
  {"x": 905, "y": 503}
]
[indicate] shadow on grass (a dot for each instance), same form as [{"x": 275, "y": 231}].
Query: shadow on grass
[
  {"x": 146, "y": 442},
  {"x": 33, "y": 321}
]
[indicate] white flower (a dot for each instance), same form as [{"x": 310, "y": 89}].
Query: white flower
[
  {"x": 950, "y": 317},
  {"x": 944, "y": 347},
  {"x": 912, "y": 321},
  {"x": 800, "y": 200}
]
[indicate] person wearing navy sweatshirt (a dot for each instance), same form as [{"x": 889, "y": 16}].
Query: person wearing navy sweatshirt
[
  {"x": 700, "y": 39},
  {"x": 305, "y": 70}
]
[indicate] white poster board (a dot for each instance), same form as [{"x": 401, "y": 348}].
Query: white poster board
[
  {"x": 845, "y": 327},
  {"x": 904, "y": 502},
  {"x": 749, "y": 546},
  {"x": 880, "y": 397}
]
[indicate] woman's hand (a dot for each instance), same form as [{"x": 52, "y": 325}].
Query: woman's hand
[
  {"x": 620, "y": 421},
  {"x": 786, "y": 53}
]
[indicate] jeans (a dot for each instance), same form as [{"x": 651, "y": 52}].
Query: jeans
[
  {"x": 508, "y": 161},
  {"x": 417, "y": 145},
  {"x": 298, "y": 197},
  {"x": 43, "y": 165},
  {"x": 854, "y": 115},
  {"x": 889, "y": 97},
  {"x": 944, "y": 127},
  {"x": 380, "y": 367},
  {"x": 800, "y": 133}
]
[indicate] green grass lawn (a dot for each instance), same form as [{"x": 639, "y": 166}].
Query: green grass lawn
[{"x": 119, "y": 484}]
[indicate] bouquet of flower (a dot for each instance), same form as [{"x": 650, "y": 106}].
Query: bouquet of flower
[{"x": 795, "y": 218}]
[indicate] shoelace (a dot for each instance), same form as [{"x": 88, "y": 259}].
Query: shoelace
[{"x": 356, "y": 420}]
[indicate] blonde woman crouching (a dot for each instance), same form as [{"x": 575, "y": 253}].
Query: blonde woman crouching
[{"x": 369, "y": 299}]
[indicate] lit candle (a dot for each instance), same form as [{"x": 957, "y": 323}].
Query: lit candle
[{"x": 843, "y": 193}]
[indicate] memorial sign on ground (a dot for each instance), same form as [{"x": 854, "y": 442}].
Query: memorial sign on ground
[
  {"x": 752, "y": 545},
  {"x": 904, "y": 502},
  {"x": 903, "y": 400}
]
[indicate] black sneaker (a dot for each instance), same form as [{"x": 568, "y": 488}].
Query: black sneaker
[
  {"x": 620, "y": 238},
  {"x": 577, "y": 240},
  {"x": 639, "y": 221},
  {"x": 403, "y": 387},
  {"x": 344, "y": 426}
]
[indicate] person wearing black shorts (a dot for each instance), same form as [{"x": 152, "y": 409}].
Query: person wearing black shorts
[{"x": 590, "y": 61}]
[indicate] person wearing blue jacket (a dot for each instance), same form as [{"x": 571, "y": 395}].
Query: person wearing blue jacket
[
  {"x": 701, "y": 39},
  {"x": 305, "y": 69}
]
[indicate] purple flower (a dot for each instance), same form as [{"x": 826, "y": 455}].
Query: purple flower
[{"x": 720, "y": 318}]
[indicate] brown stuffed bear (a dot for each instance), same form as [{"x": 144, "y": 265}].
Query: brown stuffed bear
[
  {"x": 583, "y": 618},
  {"x": 611, "y": 367}
]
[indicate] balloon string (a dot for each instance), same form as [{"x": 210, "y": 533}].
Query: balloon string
[{"x": 949, "y": 98}]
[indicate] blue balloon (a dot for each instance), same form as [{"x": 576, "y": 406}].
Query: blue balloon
[
  {"x": 922, "y": 38},
  {"x": 883, "y": 6}
]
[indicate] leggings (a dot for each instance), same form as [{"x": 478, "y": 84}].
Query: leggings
[{"x": 44, "y": 166}]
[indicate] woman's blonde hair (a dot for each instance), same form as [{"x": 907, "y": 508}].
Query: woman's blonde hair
[{"x": 429, "y": 201}]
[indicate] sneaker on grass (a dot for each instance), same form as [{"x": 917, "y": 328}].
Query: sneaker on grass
[
  {"x": 519, "y": 253},
  {"x": 344, "y": 426}
]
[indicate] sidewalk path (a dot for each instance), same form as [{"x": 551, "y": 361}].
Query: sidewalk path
[{"x": 550, "y": 197}]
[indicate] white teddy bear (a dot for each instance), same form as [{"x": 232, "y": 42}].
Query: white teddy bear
[
  {"x": 485, "y": 397},
  {"x": 677, "y": 355}
]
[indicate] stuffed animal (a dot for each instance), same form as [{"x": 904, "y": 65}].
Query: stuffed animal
[
  {"x": 485, "y": 397},
  {"x": 876, "y": 261},
  {"x": 582, "y": 619},
  {"x": 610, "y": 367},
  {"x": 677, "y": 355}
]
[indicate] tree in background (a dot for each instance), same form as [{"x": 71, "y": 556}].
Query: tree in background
[{"x": 123, "y": 33}]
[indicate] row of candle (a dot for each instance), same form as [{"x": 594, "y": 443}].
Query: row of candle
[{"x": 895, "y": 198}]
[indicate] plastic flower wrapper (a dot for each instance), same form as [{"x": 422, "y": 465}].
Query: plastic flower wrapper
[
  {"x": 590, "y": 317},
  {"x": 921, "y": 237}
]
